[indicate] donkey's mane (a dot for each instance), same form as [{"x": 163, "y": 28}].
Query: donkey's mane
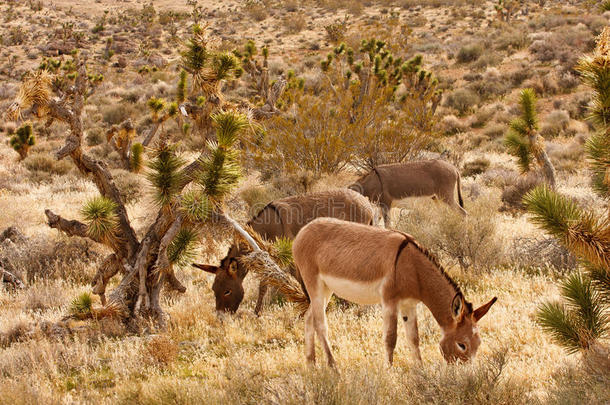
[
  {"x": 434, "y": 260},
  {"x": 270, "y": 204}
]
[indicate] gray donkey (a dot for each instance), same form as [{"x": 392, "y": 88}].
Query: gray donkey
[{"x": 387, "y": 183}]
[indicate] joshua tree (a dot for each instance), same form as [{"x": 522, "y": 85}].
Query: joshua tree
[
  {"x": 578, "y": 323},
  {"x": 22, "y": 140},
  {"x": 506, "y": 8},
  {"x": 187, "y": 196},
  {"x": 258, "y": 71},
  {"x": 523, "y": 140}
]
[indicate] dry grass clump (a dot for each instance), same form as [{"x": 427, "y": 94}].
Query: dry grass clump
[
  {"x": 476, "y": 166},
  {"x": 462, "y": 100},
  {"x": 160, "y": 350},
  {"x": 534, "y": 254},
  {"x": 516, "y": 187},
  {"x": 42, "y": 166},
  {"x": 41, "y": 258},
  {"x": 472, "y": 242}
]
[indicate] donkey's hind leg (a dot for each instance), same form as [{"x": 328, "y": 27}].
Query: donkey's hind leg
[
  {"x": 318, "y": 309},
  {"x": 310, "y": 334},
  {"x": 449, "y": 199}
]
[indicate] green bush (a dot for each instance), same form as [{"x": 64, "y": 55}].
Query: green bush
[
  {"x": 462, "y": 100},
  {"x": 469, "y": 53},
  {"x": 475, "y": 167}
]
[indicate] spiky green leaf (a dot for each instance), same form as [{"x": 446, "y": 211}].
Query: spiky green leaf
[
  {"x": 196, "y": 206},
  {"x": 225, "y": 65},
  {"x": 518, "y": 146},
  {"x": 527, "y": 101},
  {"x": 182, "y": 250},
  {"x": 555, "y": 320},
  {"x": 81, "y": 305},
  {"x": 99, "y": 214},
  {"x": 282, "y": 251},
  {"x": 228, "y": 127},
  {"x": 165, "y": 174},
  {"x": 220, "y": 171},
  {"x": 598, "y": 153}
]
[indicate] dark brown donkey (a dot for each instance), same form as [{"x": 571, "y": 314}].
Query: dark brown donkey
[
  {"x": 388, "y": 183},
  {"x": 283, "y": 218},
  {"x": 370, "y": 265}
]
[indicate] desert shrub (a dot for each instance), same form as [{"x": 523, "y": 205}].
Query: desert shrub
[
  {"x": 114, "y": 114},
  {"x": 335, "y": 32},
  {"x": 512, "y": 39},
  {"x": 45, "y": 259},
  {"x": 488, "y": 58},
  {"x": 257, "y": 196},
  {"x": 474, "y": 167},
  {"x": 473, "y": 242},
  {"x": 555, "y": 124},
  {"x": 386, "y": 116},
  {"x": 294, "y": 23},
  {"x": 494, "y": 130},
  {"x": 541, "y": 253},
  {"x": 462, "y": 100},
  {"x": 482, "y": 116},
  {"x": 450, "y": 124},
  {"x": 42, "y": 162},
  {"x": 545, "y": 50},
  {"x": 95, "y": 136},
  {"x": 256, "y": 10},
  {"x": 492, "y": 84},
  {"x": 568, "y": 156},
  {"x": 512, "y": 195},
  {"x": 130, "y": 185},
  {"x": 469, "y": 53}
]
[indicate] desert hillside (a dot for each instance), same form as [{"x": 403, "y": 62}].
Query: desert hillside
[{"x": 139, "y": 137}]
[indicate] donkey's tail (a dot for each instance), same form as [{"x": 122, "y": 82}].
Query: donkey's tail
[{"x": 459, "y": 190}]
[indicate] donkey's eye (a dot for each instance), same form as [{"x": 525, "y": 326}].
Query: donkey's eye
[
  {"x": 227, "y": 293},
  {"x": 461, "y": 346}
]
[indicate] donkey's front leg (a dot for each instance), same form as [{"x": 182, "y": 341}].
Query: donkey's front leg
[
  {"x": 408, "y": 310},
  {"x": 389, "y": 311},
  {"x": 262, "y": 291}
]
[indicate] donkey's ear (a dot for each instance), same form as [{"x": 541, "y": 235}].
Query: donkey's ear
[
  {"x": 457, "y": 307},
  {"x": 206, "y": 267},
  {"x": 482, "y": 310}
]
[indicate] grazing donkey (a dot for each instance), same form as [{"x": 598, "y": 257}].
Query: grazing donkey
[
  {"x": 369, "y": 265},
  {"x": 283, "y": 218},
  {"x": 387, "y": 183}
]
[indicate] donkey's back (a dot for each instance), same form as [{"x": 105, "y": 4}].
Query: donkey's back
[{"x": 286, "y": 216}]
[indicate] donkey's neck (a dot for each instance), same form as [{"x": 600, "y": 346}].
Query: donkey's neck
[{"x": 436, "y": 290}]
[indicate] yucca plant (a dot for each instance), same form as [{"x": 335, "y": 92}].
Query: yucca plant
[
  {"x": 523, "y": 141},
  {"x": 82, "y": 305},
  {"x": 23, "y": 140},
  {"x": 583, "y": 318}
]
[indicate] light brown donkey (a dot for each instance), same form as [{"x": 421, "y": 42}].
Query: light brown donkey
[
  {"x": 387, "y": 183},
  {"x": 370, "y": 265}
]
